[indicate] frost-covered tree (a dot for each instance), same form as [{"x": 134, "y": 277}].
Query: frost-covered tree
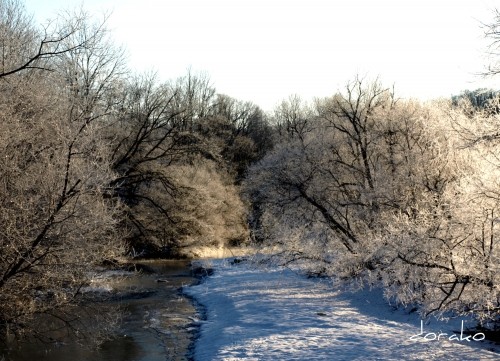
[
  {"x": 56, "y": 220},
  {"x": 327, "y": 174},
  {"x": 391, "y": 191},
  {"x": 445, "y": 258}
]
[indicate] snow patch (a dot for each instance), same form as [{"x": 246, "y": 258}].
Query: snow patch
[{"x": 277, "y": 314}]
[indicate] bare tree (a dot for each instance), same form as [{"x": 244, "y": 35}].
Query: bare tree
[
  {"x": 55, "y": 169},
  {"x": 144, "y": 142},
  {"x": 293, "y": 117},
  {"x": 156, "y": 155},
  {"x": 351, "y": 114},
  {"x": 492, "y": 33},
  {"x": 194, "y": 99},
  {"x": 94, "y": 72},
  {"x": 393, "y": 191},
  {"x": 23, "y": 47},
  {"x": 326, "y": 169},
  {"x": 55, "y": 221}
]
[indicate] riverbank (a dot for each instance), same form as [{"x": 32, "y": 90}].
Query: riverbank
[
  {"x": 157, "y": 321},
  {"x": 253, "y": 313}
]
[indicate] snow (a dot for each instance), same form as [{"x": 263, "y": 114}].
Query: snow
[{"x": 256, "y": 313}]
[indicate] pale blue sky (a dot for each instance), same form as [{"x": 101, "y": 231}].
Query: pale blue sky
[{"x": 265, "y": 50}]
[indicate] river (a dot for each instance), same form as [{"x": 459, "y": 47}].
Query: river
[{"x": 158, "y": 321}]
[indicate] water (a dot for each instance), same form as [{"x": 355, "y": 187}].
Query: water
[{"x": 158, "y": 323}]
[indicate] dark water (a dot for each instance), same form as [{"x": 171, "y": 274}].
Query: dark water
[{"x": 158, "y": 322}]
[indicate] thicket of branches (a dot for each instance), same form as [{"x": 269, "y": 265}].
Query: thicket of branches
[
  {"x": 54, "y": 218},
  {"x": 392, "y": 192},
  {"x": 97, "y": 163},
  {"x": 398, "y": 193}
]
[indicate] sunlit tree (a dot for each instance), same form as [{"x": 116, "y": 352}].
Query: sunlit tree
[{"x": 55, "y": 218}]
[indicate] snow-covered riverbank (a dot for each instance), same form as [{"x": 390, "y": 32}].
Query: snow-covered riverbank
[{"x": 276, "y": 314}]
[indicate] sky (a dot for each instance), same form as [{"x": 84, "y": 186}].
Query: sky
[{"x": 266, "y": 50}]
